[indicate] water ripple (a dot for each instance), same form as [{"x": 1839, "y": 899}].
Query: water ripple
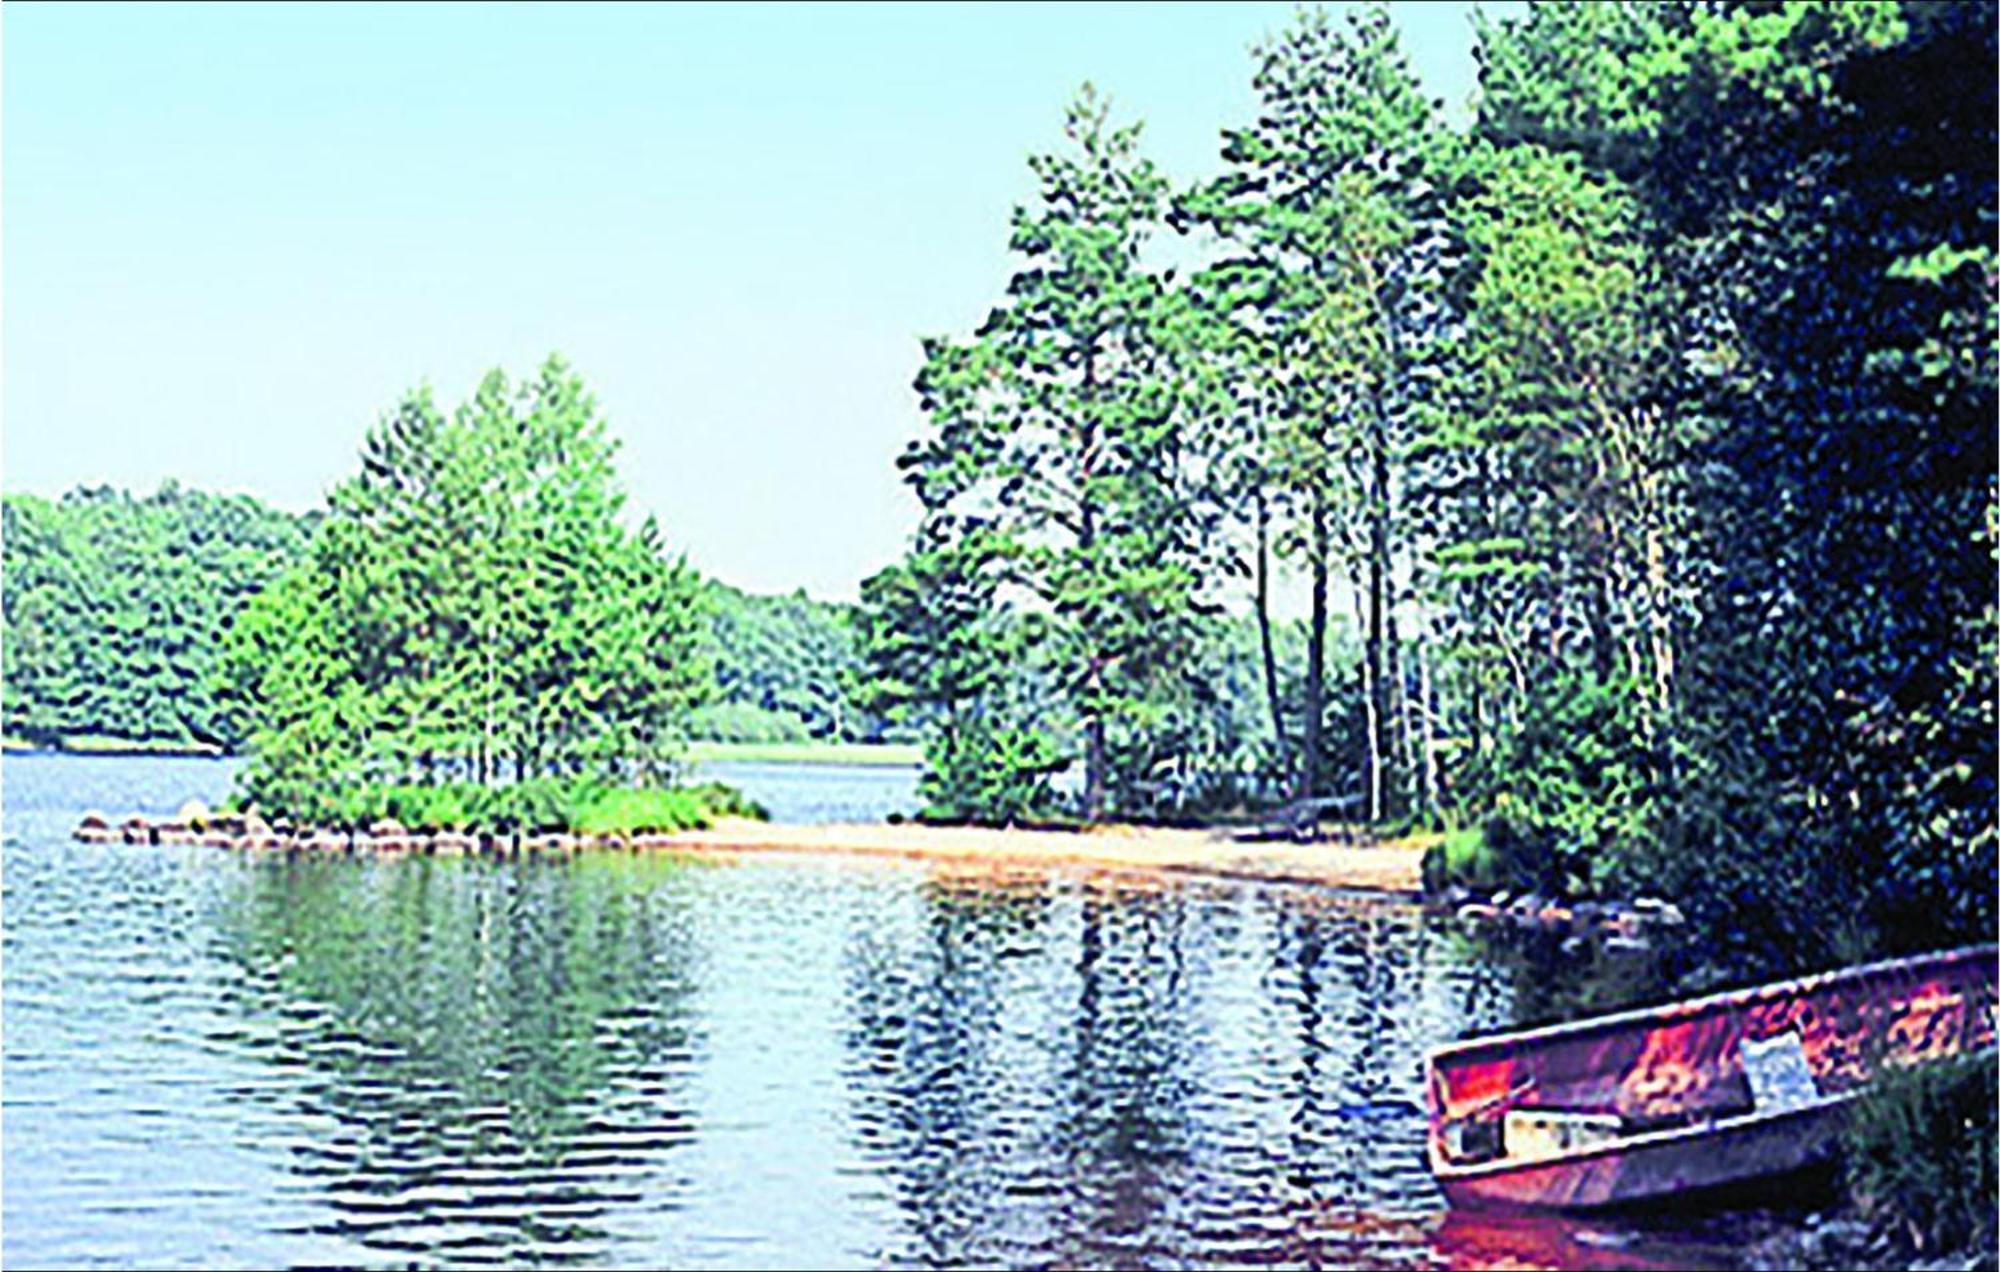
[{"x": 635, "y": 1060}]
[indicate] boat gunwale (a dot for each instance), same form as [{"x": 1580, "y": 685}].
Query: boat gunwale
[
  {"x": 1671, "y": 1012},
  {"x": 1460, "y": 1172}
]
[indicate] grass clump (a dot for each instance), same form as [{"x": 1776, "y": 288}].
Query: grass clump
[
  {"x": 629, "y": 812},
  {"x": 1464, "y": 858},
  {"x": 548, "y": 804},
  {"x": 1921, "y": 1152}
]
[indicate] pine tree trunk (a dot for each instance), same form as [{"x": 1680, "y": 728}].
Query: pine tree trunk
[
  {"x": 1309, "y": 759},
  {"x": 1264, "y": 636},
  {"x": 1093, "y": 767},
  {"x": 1373, "y": 658}
]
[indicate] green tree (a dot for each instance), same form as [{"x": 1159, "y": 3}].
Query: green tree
[
  {"x": 475, "y": 607},
  {"x": 116, "y": 609},
  {"x": 1323, "y": 203},
  {"x": 1055, "y": 451}
]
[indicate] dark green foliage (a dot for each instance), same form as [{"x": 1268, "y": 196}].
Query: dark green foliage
[
  {"x": 990, "y": 772},
  {"x": 1921, "y": 1150},
  {"x": 1573, "y": 800},
  {"x": 117, "y": 608},
  {"x": 787, "y": 668},
  {"x": 1812, "y": 533}
]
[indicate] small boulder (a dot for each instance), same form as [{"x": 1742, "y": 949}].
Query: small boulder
[
  {"x": 194, "y": 815},
  {"x": 453, "y": 843}
]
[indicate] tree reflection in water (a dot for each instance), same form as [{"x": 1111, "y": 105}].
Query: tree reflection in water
[
  {"x": 1065, "y": 1073},
  {"x": 490, "y": 1057}
]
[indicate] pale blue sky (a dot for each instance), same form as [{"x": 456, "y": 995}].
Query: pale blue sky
[{"x": 234, "y": 235}]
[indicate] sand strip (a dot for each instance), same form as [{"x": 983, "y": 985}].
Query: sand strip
[{"x": 1137, "y": 849}]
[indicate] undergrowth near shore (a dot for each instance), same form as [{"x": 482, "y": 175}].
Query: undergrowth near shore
[
  {"x": 1921, "y": 1157},
  {"x": 543, "y": 805}
]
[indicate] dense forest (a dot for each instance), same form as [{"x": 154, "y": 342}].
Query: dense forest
[
  {"x": 1633, "y": 441},
  {"x": 117, "y": 608}
]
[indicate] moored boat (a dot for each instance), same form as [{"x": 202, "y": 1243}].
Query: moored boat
[{"x": 1693, "y": 1096}]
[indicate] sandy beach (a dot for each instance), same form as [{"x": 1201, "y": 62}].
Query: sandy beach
[{"x": 1124, "y": 849}]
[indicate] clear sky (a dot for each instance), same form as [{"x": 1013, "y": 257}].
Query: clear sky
[{"x": 234, "y": 235}]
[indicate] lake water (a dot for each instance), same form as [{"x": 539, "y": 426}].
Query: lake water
[{"x": 215, "y": 1059}]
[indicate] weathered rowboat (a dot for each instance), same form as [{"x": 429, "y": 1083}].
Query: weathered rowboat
[{"x": 1694, "y": 1096}]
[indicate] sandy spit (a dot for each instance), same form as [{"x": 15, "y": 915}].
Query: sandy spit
[{"x": 1123, "y": 849}]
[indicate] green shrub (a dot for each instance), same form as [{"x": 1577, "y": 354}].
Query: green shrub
[
  {"x": 629, "y": 812},
  {"x": 1921, "y": 1155},
  {"x": 546, "y": 804},
  {"x": 723, "y": 800},
  {"x": 989, "y": 773},
  {"x": 1462, "y": 857},
  {"x": 1574, "y": 796}
]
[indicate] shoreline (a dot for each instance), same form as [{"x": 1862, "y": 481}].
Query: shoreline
[
  {"x": 824, "y": 754},
  {"x": 1354, "y": 865},
  {"x": 1347, "y": 864}
]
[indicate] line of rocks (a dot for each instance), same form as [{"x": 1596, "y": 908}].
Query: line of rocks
[
  {"x": 194, "y": 824},
  {"x": 1621, "y": 926}
]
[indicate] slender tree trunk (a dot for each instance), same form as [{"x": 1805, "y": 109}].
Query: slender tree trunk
[
  {"x": 1415, "y": 752},
  {"x": 1398, "y": 747},
  {"x": 1086, "y": 539},
  {"x": 1375, "y": 654},
  {"x": 1264, "y": 635},
  {"x": 1315, "y": 706},
  {"x": 1603, "y": 645}
]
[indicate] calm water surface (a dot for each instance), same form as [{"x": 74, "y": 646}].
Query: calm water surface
[{"x": 224, "y": 1060}]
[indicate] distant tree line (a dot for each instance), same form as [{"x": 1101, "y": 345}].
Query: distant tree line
[
  {"x": 117, "y": 606},
  {"x": 1633, "y": 443},
  {"x": 118, "y": 609},
  {"x": 788, "y": 668}
]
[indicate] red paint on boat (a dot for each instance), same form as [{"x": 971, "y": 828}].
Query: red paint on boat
[{"x": 1672, "y": 1081}]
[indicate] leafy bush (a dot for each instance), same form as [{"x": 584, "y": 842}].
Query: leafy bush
[
  {"x": 989, "y": 773},
  {"x": 1462, "y": 857},
  {"x": 1921, "y": 1153},
  {"x": 723, "y": 800},
  {"x": 547, "y": 804},
  {"x": 1573, "y": 793},
  {"x": 626, "y": 812}
]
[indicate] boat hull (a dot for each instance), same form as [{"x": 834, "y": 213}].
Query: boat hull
[
  {"x": 1697, "y": 1096},
  {"x": 1645, "y": 1169}
]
